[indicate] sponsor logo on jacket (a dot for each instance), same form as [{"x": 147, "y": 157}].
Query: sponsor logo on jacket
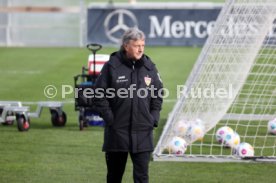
[{"x": 121, "y": 79}]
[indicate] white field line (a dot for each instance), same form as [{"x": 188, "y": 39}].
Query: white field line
[
  {"x": 72, "y": 101},
  {"x": 30, "y": 72}
]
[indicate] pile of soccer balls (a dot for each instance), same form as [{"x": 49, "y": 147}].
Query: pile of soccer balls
[
  {"x": 185, "y": 132},
  {"x": 231, "y": 139},
  {"x": 227, "y": 137}
]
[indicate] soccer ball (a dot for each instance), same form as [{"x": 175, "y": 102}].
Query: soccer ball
[
  {"x": 181, "y": 128},
  {"x": 244, "y": 149},
  {"x": 271, "y": 126},
  {"x": 195, "y": 131},
  {"x": 232, "y": 140},
  {"x": 223, "y": 133},
  {"x": 177, "y": 146}
]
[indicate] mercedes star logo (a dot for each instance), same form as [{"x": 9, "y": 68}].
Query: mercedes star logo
[{"x": 117, "y": 22}]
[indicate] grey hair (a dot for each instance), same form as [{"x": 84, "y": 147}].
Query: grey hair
[{"x": 132, "y": 34}]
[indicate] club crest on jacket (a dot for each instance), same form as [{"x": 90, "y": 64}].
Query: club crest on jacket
[{"x": 147, "y": 80}]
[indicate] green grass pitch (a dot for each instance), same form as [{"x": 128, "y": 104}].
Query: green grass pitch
[
  {"x": 126, "y": 1},
  {"x": 66, "y": 155}
]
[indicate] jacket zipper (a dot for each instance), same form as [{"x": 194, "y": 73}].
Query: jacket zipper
[
  {"x": 133, "y": 65},
  {"x": 132, "y": 105}
]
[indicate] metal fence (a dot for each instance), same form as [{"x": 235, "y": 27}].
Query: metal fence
[{"x": 42, "y": 23}]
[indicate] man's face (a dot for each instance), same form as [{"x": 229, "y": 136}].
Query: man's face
[{"x": 135, "y": 49}]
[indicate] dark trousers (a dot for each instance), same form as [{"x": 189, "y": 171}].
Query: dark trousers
[{"x": 116, "y": 163}]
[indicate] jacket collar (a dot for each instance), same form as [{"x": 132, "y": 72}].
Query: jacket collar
[
  {"x": 130, "y": 62},
  {"x": 118, "y": 58},
  {"x": 147, "y": 62}
]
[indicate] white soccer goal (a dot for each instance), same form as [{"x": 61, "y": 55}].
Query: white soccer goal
[
  {"x": 42, "y": 23},
  {"x": 233, "y": 83}
]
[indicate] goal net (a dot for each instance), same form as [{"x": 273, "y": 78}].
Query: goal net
[
  {"x": 42, "y": 23},
  {"x": 223, "y": 111}
]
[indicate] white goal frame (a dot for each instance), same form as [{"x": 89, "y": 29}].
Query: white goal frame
[{"x": 231, "y": 56}]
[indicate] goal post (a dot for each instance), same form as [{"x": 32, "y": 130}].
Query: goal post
[{"x": 233, "y": 83}]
